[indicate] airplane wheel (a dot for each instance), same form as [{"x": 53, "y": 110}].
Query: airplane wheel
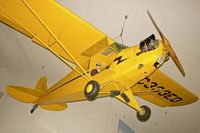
[
  {"x": 145, "y": 115},
  {"x": 91, "y": 90}
]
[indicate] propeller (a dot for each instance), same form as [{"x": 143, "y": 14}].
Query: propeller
[{"x": 167, "y": 45}]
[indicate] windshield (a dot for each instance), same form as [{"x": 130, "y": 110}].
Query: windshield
[{"x": 118, "y": 46}]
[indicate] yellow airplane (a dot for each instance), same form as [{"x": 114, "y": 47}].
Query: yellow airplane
[{"x": 101, "y": 67}]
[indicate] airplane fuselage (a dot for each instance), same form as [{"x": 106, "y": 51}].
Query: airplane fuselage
[
  {"x": 128, "y": 68},
  {"x": 133, "y": 67}
]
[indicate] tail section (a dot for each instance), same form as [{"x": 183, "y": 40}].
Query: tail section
[
  {"x": 41, "y": 85},
  {"x": 23, "y": 94},
  {"x": 28, "y": 95},
  {"x": 54, "y": 107}
]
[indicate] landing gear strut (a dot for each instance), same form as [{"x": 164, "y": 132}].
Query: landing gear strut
[
  {"x": 34, "y": 108},
  {"x": 145, "y": 114}
]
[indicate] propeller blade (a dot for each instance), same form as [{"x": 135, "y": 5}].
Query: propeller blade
[
  {"x": 175, "y": 58},
  {"x": 167, "y": 45},
  {"x": 155, "y": 25}
]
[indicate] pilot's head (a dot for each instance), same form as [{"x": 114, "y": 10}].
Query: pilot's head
[{"x": 98, "y": 66}]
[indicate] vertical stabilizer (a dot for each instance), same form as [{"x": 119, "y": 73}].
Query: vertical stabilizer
[{"x": 41, "y": 85}]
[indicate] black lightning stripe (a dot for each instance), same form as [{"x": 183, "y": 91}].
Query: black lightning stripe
[{"x": 119, "y": 59}]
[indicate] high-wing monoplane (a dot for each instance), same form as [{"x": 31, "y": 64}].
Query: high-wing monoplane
[{"x": 101, "y": 67}]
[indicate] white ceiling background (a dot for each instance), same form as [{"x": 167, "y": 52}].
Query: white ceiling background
[{"x": 22, "y": 63}]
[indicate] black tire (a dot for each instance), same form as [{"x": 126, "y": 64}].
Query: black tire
[
  {"x": 91, "y": 90},
  {"x": 146, "y": 115}
]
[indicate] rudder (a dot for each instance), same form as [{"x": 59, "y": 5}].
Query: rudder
[{"x": 41, "y": 85}]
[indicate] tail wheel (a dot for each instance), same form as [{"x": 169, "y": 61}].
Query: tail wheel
[
  {"x": 91, "y": 90},
  {"x": 145, "y": 115},
  {"x": 34, "y": 108}
]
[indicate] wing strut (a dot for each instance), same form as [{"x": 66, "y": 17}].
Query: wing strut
[
  {"x": 33, "y": 35},
  {"x": 57, "y": 40}
]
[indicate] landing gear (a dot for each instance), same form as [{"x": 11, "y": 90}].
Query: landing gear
[
  {"x": 91, "y": 90},
  {"x": 114, "y": 93},
  {"x": 34, "y": 108},
  {"x": 145, "y": 114}
]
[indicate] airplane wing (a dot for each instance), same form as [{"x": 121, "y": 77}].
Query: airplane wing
[
  {"x": 163, "y": 91},
  {"x": 47, "y": 23}
]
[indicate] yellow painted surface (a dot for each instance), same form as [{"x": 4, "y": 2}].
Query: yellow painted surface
[
  {"x": 127, "y": 72},
  {"x": 89, "y": 88},
  {"x": 87, "y": 45},
  {"x": 133, "y": 103},
  {"x": 41, "y": 85},
  {"x": 77, "y": 35},
  {"x": 54, "y": 107},
  {"x": 163, "y": 91},
  {"x": 71, "y": 88},
  {"x": 23, "y": 94}
]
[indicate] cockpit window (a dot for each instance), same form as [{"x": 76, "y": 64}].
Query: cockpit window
[{"x": 118, "y": 46}]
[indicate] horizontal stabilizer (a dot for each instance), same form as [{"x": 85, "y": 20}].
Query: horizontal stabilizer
[
  {"x": 54, "y": 107},
  {"x": 23, "y": 94}
]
